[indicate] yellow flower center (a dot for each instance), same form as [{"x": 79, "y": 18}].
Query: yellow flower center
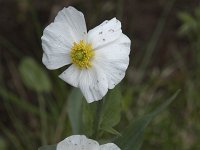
[{"x": 81, "y": 54}]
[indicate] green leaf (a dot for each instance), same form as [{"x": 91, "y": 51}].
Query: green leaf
[
  {"x": 111, "y": 130},
  {"x": 185, "y": 17},
  {"x": 88, "y": 118},
  {"x": 74, "y": 109},
  {"x": 139, "y": 142},
  {"x": 132, "y": 137},
  {"x": 111, "y": 111},
  {"x": 48, "y": 147},
  {"x": 33, "y": 76},
  {"x": 127, "y": 99},
  {"x": 189, "y": 23},
  {"x": 2, "y": 144}
]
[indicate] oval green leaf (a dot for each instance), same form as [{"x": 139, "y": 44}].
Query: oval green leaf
[{"x": 33, "y": 76}]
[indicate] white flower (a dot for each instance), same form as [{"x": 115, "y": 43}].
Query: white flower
[
  {"x": 98, "y": 58},
  {"x": 81, "y": 142}
]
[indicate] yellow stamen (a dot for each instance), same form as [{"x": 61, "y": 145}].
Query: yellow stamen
[{"x": 81, "y": 54}]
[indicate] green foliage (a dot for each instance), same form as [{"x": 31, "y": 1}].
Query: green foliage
[
  {"x": 189, "y": 25},
  {"x": 74, "y": 110},
  {"x": 132, "y": 137},
  {"x": 102, "y": 115},
  {"x": 191, "y": 28},
  {"x": 89, "y": 118},
  {"x": 2, "y": 144},
  {"x": 111, "y": 111},
  {"x": 49, "y": 147},
  {"x": 33, "y": 76}
]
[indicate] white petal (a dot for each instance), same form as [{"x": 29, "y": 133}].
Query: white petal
[
  {"x": 105, "y": 33},
  {"x": 56, "y": 43},
  {"x": 109, "y": 146},
  {"x": 77, "y": 142},
  {"x": 71, "y": 75},
  {"x": 114, "y": 59},
  {"x": 57, "y": 38},
  {"x": 93, "y": 83},
  {"x": 118, "y": 49},
  {"x": 75, "y": 19},
  {"x": 55, "y": 61}
]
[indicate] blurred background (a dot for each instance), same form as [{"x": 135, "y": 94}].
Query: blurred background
[{"x": 165, "y": 56}]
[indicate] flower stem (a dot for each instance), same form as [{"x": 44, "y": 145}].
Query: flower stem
[{"x": 97, "y": 119}]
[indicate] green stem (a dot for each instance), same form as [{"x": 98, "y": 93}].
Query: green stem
[{"x": 97, "y": 119}]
